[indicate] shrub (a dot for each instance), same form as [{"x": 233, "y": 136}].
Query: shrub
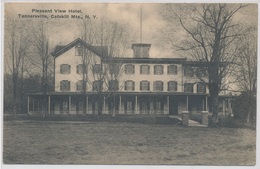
[{"x": 244, "y": 104}]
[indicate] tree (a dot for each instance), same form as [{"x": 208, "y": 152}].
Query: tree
[
  {"x": 211, "y": 33},
  {"x": 43, "y": 60},
  {"x": 246, "y": 74},
  {"x": 111, "y": 40},
  {"x": 16, "y": 58}
]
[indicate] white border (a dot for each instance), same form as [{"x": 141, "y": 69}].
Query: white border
[{"x": 257, "y": 166}]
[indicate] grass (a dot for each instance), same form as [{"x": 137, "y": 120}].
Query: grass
[{"x": 71, "y": 142}]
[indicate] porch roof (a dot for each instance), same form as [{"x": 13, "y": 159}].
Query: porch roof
[{"x": 118, "y": 93}]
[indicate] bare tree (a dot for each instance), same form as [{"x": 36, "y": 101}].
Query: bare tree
[
  {"x": 43, "y": 60},
  {"x": 246, "y": 74},
  {"x": 211, "y": 33},
  {"x": 16, "y": 58},
  {"x": 110, "y": 39}
]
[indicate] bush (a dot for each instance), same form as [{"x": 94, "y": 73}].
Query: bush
[{"x": 242, "y": 105}]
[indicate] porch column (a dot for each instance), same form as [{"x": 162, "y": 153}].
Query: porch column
[
  {"x": 33, "y": 105},
  {"x": 38, "y": 108},
  {"x": 206, "y": 103},
  {"x": 104, "y": 104},
  {"x": 187, "y": 103},
  {"x": 87, "y": 105},
  {"x": 203, "y": 104},
  {"x": 119, "y": 104},
  {"x": 136, "y": 105},
  {"x": 49, "y": 105},
  {"x": 69, "y": 103},
  {"x": 168, "y": 103},
  {"x": 28, "y": 105},
  {"x": 230, "y": 112},
  {"x": 223, "y": 107}
]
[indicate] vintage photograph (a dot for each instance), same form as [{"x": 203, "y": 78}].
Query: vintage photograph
[{"x": 130, "y": 83}]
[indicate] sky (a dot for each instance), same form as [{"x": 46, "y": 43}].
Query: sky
[{"x": 64, "y": 31}]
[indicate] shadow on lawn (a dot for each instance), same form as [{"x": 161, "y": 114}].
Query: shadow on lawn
[{"x": 144, "y": 119}]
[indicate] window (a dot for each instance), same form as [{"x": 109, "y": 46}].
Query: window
[
  {"x": 158, "y": 86},
  {"x": 80, "y": 69},
  {"x": 172, "y": 69},
  {"x": 113, "y": 85},
  {"x": 97, "y": 69},
  {"x": 65, "y": 69},
  {"x": 188, "y": 87},
  {"x": 188, "y": 71},
  {"x": 65, "y": 85},
  {"x": 172, "y": 86},
  {"x": 144, "y": 69},
  {"x": 158, "y": 105},
  {"x": 144, "y": 85},
  {"x": 114, "y": 68},
  {"x": 201, "y": 88},
  {"x": 158, "y": 69},
  {"x": 129, "y": 69},
  {"x": 79, "y": 50},
  {"x": 79, "y": 85},
  {"x": 144, "y": 105},
  {"x": 129, "y": 106},
  {"x": 97, "y": 85},
  {"x": 79, "y": 106},
  {"x": 129, "y": 85}
]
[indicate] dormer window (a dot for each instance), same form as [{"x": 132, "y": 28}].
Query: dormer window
[{"x": 79, "y": 50}]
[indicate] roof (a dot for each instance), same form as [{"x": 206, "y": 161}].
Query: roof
[
  {"x": 183, "y": 61},
  {"x": 120, "y": 93},
  {"x": 146, "y": 60},
  {"x": 98, "y": 50}
]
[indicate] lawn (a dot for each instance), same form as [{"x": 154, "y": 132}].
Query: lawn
[{"x": 43, "y": 142}]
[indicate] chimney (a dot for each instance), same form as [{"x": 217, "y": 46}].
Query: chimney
[{"x": 141, "y": 50}]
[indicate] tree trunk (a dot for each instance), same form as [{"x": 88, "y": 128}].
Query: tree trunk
[
  {"x": 84, "y": 105},
  {"x": 15, "y": 81},
  {"x": 114, "y": 106},
  {"x": 100, "y": 106},
  {"x": 215, "y": 108},
  {"x": 249, "y": 108}
]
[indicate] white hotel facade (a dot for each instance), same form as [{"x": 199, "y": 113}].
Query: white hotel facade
[{"x": 144, "y": 85}]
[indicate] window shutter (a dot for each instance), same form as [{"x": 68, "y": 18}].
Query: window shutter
[
  {"x": 61, "y": 88},
  {"x": 162, "y": 86},
  {"x": 68, "y": 85},
  {"x": 133, "y": 84},
  {"x": 69, "y": 68},
  {"x": 148, "y": 85},
  {"x": 141, "y": 85}
]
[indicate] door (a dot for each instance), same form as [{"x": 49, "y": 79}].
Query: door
[{"x": 173, "y": 106}]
